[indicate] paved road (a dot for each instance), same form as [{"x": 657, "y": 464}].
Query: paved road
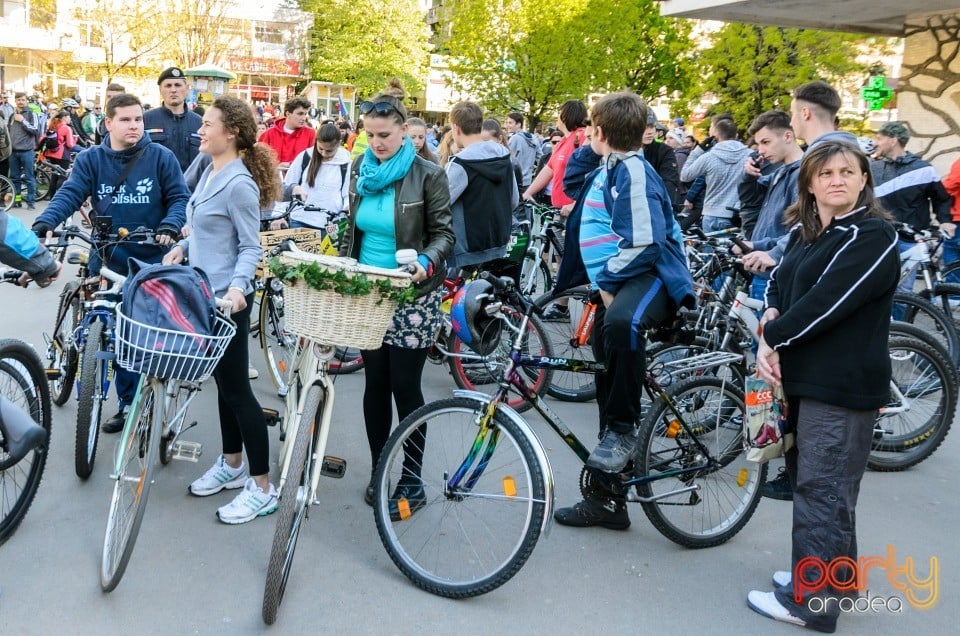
[{"x": 192, "y": 575}]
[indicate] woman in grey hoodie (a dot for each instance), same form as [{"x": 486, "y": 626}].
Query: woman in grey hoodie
[{"x": 224, "y": 219}]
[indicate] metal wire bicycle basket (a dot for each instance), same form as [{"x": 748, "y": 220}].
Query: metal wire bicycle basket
[
  {"x": 170, "y": 354},
  {"x": 337, "y": 319}
]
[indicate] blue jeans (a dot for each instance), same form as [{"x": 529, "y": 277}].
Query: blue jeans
[
  {"x": 951, "y": 254},
  {"x": 906, "y": 285},
  {"x": 23, "y": 161},
  {"x": 715, "y": 223}
]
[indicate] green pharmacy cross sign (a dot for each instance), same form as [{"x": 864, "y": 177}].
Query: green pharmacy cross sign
[{"x": 876, "y": 93}]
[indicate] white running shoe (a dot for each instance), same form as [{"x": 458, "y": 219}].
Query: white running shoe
[
  {"x": 252, "y": 373},
  {"x": 251, "y": 503},
  {"x": 782, "y": 578},
  {"x": 766, "y": 604},
  {"x": 219, "y": 477}
]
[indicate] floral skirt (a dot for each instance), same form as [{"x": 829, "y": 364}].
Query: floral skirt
[{"x": 415, "y": 323}]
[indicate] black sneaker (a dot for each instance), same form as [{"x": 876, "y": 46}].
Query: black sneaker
[
  {"x": 406, "y": 500},
  {"x": 606, "y": 513},
  {"x": 17, "y": 204},
  {"x": 115, "y": 423},
  {"x": 368, "y": 493},
  {"x": 556, "y": 313},
  {"x": 778, "y": 487},
  {"x": 614, "y": 451}
]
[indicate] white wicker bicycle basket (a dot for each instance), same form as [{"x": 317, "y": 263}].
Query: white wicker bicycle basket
[
  {"x": 336, "y": 319},
  {"x": 169, "y": 354}
]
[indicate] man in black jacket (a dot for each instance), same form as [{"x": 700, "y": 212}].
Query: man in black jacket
[{"x": 662, "y": 158}]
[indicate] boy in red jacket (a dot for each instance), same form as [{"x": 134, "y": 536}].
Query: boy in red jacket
[{"x": 290, "y": 134}]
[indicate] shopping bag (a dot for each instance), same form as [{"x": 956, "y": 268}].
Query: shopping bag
[{"x": 767, "y": 432}]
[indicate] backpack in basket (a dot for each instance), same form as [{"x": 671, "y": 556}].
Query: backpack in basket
[{"x": 171, "y": 314}]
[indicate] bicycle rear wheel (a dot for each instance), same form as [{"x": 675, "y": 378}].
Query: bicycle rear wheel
[
  {"x": 346, "y": 360},
  {"x": 727, "y": 492},
  {"x": 23, "y": 383},
  {"x": 569, "y": 386},
  {"x": 292, "y": 510},
  {"x": 924, "y": 314},
  {"x": 466, "y": 539},
  {"x": 137, "y": 457},
  {"x": 91, "y": 400},
  {"x": 910, "y": 429},
  {"x": 43, "y": 184},
  {"x": 62, "y": 351}
]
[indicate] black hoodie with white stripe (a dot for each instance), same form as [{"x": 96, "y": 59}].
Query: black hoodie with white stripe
[{"x": 835, "y": 296}]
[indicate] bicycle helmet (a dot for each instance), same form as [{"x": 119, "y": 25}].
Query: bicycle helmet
[
  {"x": 69, "y": 103},
  {"x": 867, "y": 145},
  {"x": 470, "y": 322}
]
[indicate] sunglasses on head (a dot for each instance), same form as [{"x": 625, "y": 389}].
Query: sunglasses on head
[{"x": 380, "y": 108}]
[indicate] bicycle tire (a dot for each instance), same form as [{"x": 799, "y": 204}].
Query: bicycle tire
[
  {"x": 569, "y": 386},
  {"x": 930, "y": 383},
  {"x": 727, "y": 495},
  {"x": 280, "y": 347},
  {"x": 463, "y": 543},
  {"x": 345, "y": 361},
  {"x": 470, "y": 374},
  {"x": 292, "y": 508},
  {"x": 137, "y": 459},
  {"x": 945, "y": 296},
  {"x": 90, "y": 408},
  {"x": 929, "y": 317},
  {"x": 42, "y": 177},
  {"x": 62, "y": 351},
  {"x": 7, "y": 195},
  {"x": 22, "y": 381}
]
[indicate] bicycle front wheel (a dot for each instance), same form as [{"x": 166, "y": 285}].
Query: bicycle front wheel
[
  {"x": 459, "y": 513},
  {"x": 280, "y": 346},
  {"x": 568, "y": 309},
  {"x": 922, "y": 406},
  {"x": 23, "y": 383},
  {"x": 7, "y": 196},
  {"x": 924, "y": 314},
  {"x": 292, "y": 510},
  {"x": 91, "y": 400},
  {"x": 43, "y": 184},
  {"x": 62, "y": 351},
  {"x": 698, "y": 508},
  {"x": 137, "y": 456}
]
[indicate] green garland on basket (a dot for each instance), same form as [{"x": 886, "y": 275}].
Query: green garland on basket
[{"x": 357, "y": 284}]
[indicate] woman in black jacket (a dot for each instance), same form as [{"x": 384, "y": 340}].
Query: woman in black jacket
[
  {"x": 825, "y": 340},
  {"x": 398, "y": 200}
]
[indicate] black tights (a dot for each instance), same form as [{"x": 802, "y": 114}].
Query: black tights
[
  {"x": 391, "y": 371},
  {"x": 241, "y": 419}
]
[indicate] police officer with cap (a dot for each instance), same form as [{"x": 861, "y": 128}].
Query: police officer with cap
[{"x": 171, "y": 124}]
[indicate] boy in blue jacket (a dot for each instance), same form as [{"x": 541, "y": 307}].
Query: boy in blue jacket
[
  {"x": 630, "y": 246},
  {"x": 153, "y": 195}
]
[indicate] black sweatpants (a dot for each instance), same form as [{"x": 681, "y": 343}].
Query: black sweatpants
[
  {"x": 619, "y": 341},
  {"x": 242, "y": 424}
]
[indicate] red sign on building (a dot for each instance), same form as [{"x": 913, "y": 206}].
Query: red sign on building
[{"x": 263, "y": 66}]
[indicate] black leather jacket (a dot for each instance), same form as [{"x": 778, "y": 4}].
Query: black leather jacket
[{"x": 422, "y": 217}]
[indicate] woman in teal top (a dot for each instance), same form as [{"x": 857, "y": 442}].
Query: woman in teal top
[{"x": 398, "y": 201}]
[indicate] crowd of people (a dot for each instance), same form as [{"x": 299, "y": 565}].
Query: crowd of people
[{"x": 815, "y": 215}]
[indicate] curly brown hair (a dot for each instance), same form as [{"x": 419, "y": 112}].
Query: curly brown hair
[{"x": 258, "y": 158}]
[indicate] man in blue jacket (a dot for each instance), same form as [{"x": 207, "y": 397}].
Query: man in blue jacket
[
  {"x": 153, "y": 195},
  {"x": 630, "y": 246}
]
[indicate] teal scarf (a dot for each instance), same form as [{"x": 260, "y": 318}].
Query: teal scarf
[{"x": 376, "y": 176}]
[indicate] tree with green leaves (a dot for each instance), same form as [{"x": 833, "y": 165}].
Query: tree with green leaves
[
  {"x": 751, "y": 68},
  {"x": 366, "y": 46},
  {"x": 532, "y": 55}
]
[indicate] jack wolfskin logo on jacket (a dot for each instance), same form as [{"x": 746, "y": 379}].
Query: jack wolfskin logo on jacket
[
  {"x": 144, "y": 185},
  {"x": 121, "y": 196}
]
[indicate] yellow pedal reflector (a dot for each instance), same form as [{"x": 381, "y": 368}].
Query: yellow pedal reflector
[
  {"x": 403, "y": 507},
  {"x": 742, "y": 477},
  {"x": 673, "y": 428},
  {"x": 509, "y": 486}
]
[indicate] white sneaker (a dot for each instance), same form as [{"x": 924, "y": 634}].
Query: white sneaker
[
  {"x": 251, "y": 503},
  {"x": 782, "y": 578},
  {"x": 766, "y": 604},
  {"x": 219, "y": 477},
  {"x": 252, "y": 373}
]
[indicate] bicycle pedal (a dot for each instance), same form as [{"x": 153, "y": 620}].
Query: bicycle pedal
[
  {"x": 272, "y": 416},
  {"x": 333, "y": 467},
  {"x": 186, "y": 451}
]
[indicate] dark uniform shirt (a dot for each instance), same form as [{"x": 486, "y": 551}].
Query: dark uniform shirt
[{"x": 178, "y": 133}]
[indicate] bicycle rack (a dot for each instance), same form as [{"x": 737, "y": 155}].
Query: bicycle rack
[{"x": 702, "y": 362}]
